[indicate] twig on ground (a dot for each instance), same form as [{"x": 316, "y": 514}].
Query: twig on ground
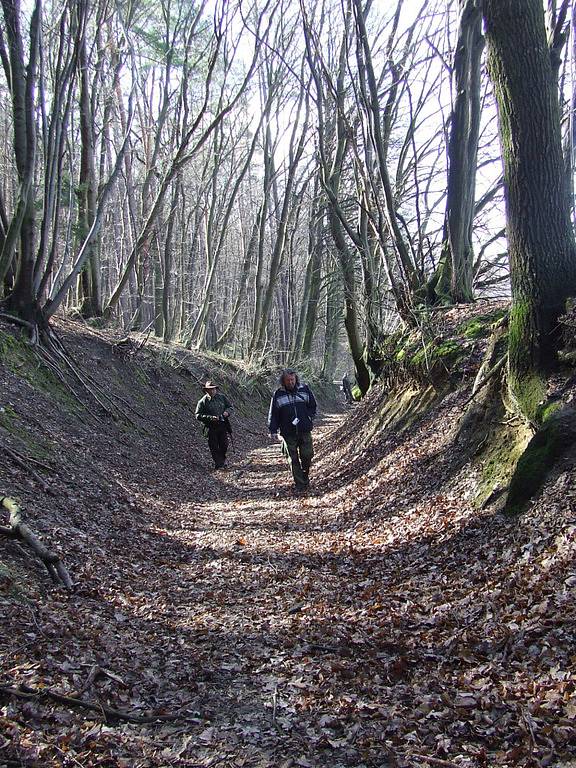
[
  {"x": 69, "y": 756},
  {"x": 530, "y": 726},
  {"x": 25, "y": 692},
  {"x": 95, "y": 673},
  {"x": 22, "y": 461},
  {"x": 295, "y": 609}
]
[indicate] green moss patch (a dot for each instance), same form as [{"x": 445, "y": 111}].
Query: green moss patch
[
  {"x": 18, "y": 357},
  {"x": 12, "y": 425},
  {"x": 482, "y": 326},
  {"x": 436, "y": 360},
  {"x": 505, "y": 444},
  {"x": 552, "y": 441},
  {"x": 530, "y": 394},
  {"x": 548, "y": 409},
  {"x": 411, "y": 355}
]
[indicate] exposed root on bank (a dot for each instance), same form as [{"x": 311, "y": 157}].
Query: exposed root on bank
[{"x": 52, "y": 354}]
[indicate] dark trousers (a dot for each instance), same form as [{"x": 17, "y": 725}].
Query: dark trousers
[
  {"x": 299, "y": 451},
  {"x": 218, "y": 444}
]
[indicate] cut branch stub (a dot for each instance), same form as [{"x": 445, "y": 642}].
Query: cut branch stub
[{"x": 17, "y": 529}]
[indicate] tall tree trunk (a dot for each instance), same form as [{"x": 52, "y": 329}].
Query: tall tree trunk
[
  {"x": 167, "y": 324},
  {"x": 312, "y": 281},
  {"x": 22, "y": 227},
  {"x": 541, "y": 240},
  {"x": 89, "y": 287},
  {"x": 333, "y": 320},
  {"x": 333, "y": 144},
  {"x": 269, "y": 173},
  {"x": 351, "y": 323},
  {"x": 454, "y": 280},
  {"x": 250, "y": 252},
  {"x": 371, "y": 103},
  {"x": 281, "y": 234}
]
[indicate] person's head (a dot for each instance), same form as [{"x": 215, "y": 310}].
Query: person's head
[
  {"x": 289, "y": 379},
  {"x": 210, "y": 388}
]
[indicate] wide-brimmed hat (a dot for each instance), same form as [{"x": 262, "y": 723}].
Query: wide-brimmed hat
[{"x": 210, "y": 385}]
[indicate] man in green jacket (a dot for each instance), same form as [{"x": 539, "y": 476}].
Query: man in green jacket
[{"x": 213, "y": 411}]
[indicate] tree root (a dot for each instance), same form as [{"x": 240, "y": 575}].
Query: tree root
[
  {"x": 17, "y": 529},
  {"x": 16, "y": 320},
  {"x": 478, "y": 384},
  {"x": 54, "y": 353},
  {"x": 110, "y": 714}
]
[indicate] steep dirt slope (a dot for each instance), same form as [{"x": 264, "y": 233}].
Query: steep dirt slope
[{"x": 384, "y": 620}]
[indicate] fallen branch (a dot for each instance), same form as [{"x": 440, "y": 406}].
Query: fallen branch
[
  {"x": 26, "y": 692},
  {"x": 87, "y": 382},
  {"x": 17, "y": 529},
  {"x": 95, "y": 673}
]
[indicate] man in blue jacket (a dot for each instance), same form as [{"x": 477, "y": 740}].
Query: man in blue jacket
[{"x": 292, "y": 413}]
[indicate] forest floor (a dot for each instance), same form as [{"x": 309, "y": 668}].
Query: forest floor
[{"x": 382, "y": 620}]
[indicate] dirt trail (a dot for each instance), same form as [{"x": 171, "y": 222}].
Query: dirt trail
[{"x": 250, "y": 581}]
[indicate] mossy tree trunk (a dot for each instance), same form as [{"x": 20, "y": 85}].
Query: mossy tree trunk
[{"x": 541, "y": 241}]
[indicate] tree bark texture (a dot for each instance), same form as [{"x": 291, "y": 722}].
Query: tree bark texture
[
  {"x": 463, "y": 150},
  {"x": 22, "y": 227},
  {"x": 89, "y": 282},
  {"x": 541, "y": 241}
]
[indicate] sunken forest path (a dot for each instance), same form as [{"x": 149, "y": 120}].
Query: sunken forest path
[{"x": 382, "y": 621}]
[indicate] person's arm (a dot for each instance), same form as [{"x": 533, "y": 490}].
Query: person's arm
[
  {"x": 273, "y": 416},
  {"x": 228, "y": 407}
]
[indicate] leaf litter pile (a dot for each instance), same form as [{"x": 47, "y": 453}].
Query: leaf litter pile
[{"x": 383, "y": 620}]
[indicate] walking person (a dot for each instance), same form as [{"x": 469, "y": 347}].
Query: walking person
[
  {"x": 292, "y": 413},
  {"x": 347, "y": 389},
  {"x": 213, "y": 411}
]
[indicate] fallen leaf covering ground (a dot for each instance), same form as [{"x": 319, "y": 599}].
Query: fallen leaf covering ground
[{"x": 383, "y": 620}]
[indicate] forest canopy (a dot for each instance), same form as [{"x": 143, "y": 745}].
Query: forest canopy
[{"x": 261, "y": 178}]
